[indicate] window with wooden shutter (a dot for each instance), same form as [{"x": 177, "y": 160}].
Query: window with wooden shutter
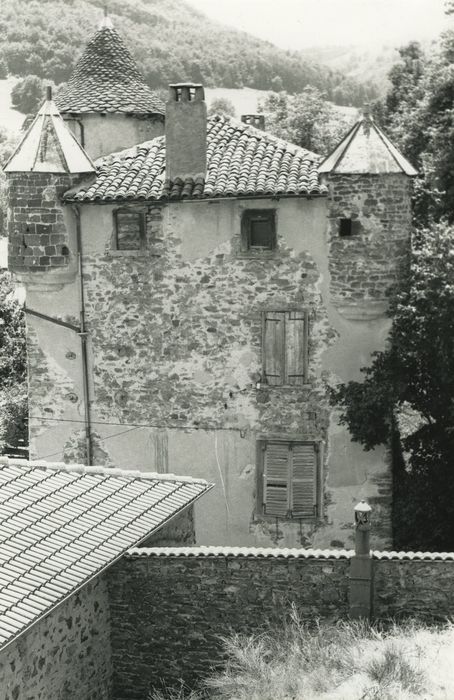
[
  {"x": 285, "y": 347},
  {"x": 290, "y": 479},
  {"x": 129, "y": 229}
]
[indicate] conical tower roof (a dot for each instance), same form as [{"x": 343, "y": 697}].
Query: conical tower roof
[
  {"x": 366, "y": 150},
  {"x": 106, "y": 79},
  {"x": 49, "y": 147}
]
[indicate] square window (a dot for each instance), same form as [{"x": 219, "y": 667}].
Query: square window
[
  {"x": 289, "y": 479},
  {"x": 285, "y": 341},
  {"x": 349, "y": 227},
  {"x": 129, "y": 230},
  {"x": 258, "y": 230}
]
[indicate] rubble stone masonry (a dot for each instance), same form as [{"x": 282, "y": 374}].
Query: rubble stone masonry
[{"x": 65, "y": 656}]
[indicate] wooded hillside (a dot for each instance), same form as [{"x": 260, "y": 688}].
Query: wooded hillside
[{"x": 171, "y": 42}]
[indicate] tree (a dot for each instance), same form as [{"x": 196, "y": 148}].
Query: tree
[
  {"x": 221, "y": 105},
  {"x": 414, "y": 376},
  {"x": 27, "y": 94},
  {"x": 306, "y": 119}
]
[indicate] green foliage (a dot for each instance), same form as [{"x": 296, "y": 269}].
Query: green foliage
[
  {"x": 13, "y": 373},
  {"x": 28, "y": 94},
  {"x": 170, "y": 41},
  {"x": 221, "y": 105},
  {"x": 415, "y": 371},
  {"x": 306, "y": 119}
]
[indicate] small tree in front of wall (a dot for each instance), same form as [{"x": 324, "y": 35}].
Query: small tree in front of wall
[{"x": 415, "y": 374}]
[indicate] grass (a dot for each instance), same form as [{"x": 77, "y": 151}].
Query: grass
[{"x": 344, "y": 661}]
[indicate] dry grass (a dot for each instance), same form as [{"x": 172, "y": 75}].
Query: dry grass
[{"x": 345, "y": 661}]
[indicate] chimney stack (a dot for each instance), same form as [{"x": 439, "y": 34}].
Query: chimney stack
[
  {"x": 257, "y": 120},
  {"x": 186, "y": 132}
]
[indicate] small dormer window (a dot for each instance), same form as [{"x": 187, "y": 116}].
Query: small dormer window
[
  {"x": 259, "y": 230},
  {"x": 349, "y": 227},
  {"x": 129, "y": 230}
]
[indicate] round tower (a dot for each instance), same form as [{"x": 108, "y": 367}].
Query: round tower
[
  {"x": 106, "y": 102},
  {"x": 370, "y": 218},
  {"x": 47, "y": 162}
]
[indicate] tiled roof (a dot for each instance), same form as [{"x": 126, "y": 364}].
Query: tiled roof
[
  {"x": 241, "y": 161},
  {"x": 366, "y": 150},
  {"x": 269, "y": 552},
  {"x": 261, "y": 552},
  {"x": 106, "y": 79},
  {"x": 49, "y": 146},
  {"x": 61, "y": 525}
]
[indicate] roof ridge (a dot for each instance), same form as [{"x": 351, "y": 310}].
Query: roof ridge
[{"x": 99, "y": 469}]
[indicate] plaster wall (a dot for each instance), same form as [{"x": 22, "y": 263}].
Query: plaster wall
[
  {"x": 65, "y": 656},
  {"x": 175, "y": 361},
  {"x": 106, "y": 133}
]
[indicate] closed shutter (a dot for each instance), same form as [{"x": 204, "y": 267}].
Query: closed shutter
[
  {"x": 296, "y": 339},
  {"x": 303, "y": 496},
  {"x": 274, "y": 348},
  {"x": 276, "y": 473}
]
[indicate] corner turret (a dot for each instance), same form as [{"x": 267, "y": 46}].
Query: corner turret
[
  {"x": 370, "y": 219},
  {"x": 48, "y": 161},
  {"x": 106, "y": 102}
]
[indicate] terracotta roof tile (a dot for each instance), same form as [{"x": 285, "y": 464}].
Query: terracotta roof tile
[
  {"x": 241, "y": 161},
  {"x": 61, "y": 525},
  {"x": 106, "y": 79}
]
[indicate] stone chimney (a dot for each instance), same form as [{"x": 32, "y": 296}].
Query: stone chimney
[
  {"x": 186, "y": 132},
  {"x": 257, "y": 120}
]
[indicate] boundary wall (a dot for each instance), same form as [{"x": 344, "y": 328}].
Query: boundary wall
[{"x": 169, "y": 606}]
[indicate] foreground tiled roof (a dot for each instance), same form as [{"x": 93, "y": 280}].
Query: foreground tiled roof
[
  {"x": 61, "y": 525},
  {"x": 241, "y": 161},
  {"x": 106, "y": 79}
]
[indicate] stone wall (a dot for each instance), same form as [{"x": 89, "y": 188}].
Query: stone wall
[
  {"x": 168, "y": 612},
  {"x": 66, "y": 656},
  {"x": 365, "y": 265},
  {"x": 418, "y": 587},
  {"x": 38, "y": 237},
  {"x": 169, "y": 607}
]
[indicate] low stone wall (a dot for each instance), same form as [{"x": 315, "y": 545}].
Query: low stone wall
[
  {"x": 66, "y": 656},
  {"x": 169, "y": 608},
  {"x": 413, "y": 587}
]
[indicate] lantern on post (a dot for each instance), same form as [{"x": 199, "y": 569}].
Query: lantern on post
[
  {"x": 363, "y": 513},
  {"x": 361, "y": 565}
]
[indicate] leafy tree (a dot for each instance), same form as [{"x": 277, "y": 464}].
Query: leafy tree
[
  {"x": 306, "y": 119},
  {"x": 221, "y": 105},
  {"x": 27, "y": 94},
  {"x": 415, "y": 375}
]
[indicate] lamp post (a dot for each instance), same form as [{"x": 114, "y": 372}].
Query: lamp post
[
  {"x": 361, "y": 565},
  {"x": 362, "y": 529}
]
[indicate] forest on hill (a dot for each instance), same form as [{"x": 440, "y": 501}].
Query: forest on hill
[{"x": 171, "y": 42}]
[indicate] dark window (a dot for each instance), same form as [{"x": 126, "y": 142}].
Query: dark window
[
  {"x": 259, "y": 230},
  {"x": 349, "y": 227},
  {"x": 288, "y": 479},
  {"x": 285, "y": 347},
  {"x": 129, "y": 230}
]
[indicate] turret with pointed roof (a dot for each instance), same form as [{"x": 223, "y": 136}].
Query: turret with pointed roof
[
  {"x": 46, "y": 162},
  {"x": 107, "y": 101},
  {"x": 369, "y": 185}
]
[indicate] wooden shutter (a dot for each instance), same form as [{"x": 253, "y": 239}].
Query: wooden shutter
[
  {"x": 296, "y": 347},
  {"x": 303, "y": 487},
  {"x": 276, "y": 475},
  {"x": 274, "y": 347}
]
